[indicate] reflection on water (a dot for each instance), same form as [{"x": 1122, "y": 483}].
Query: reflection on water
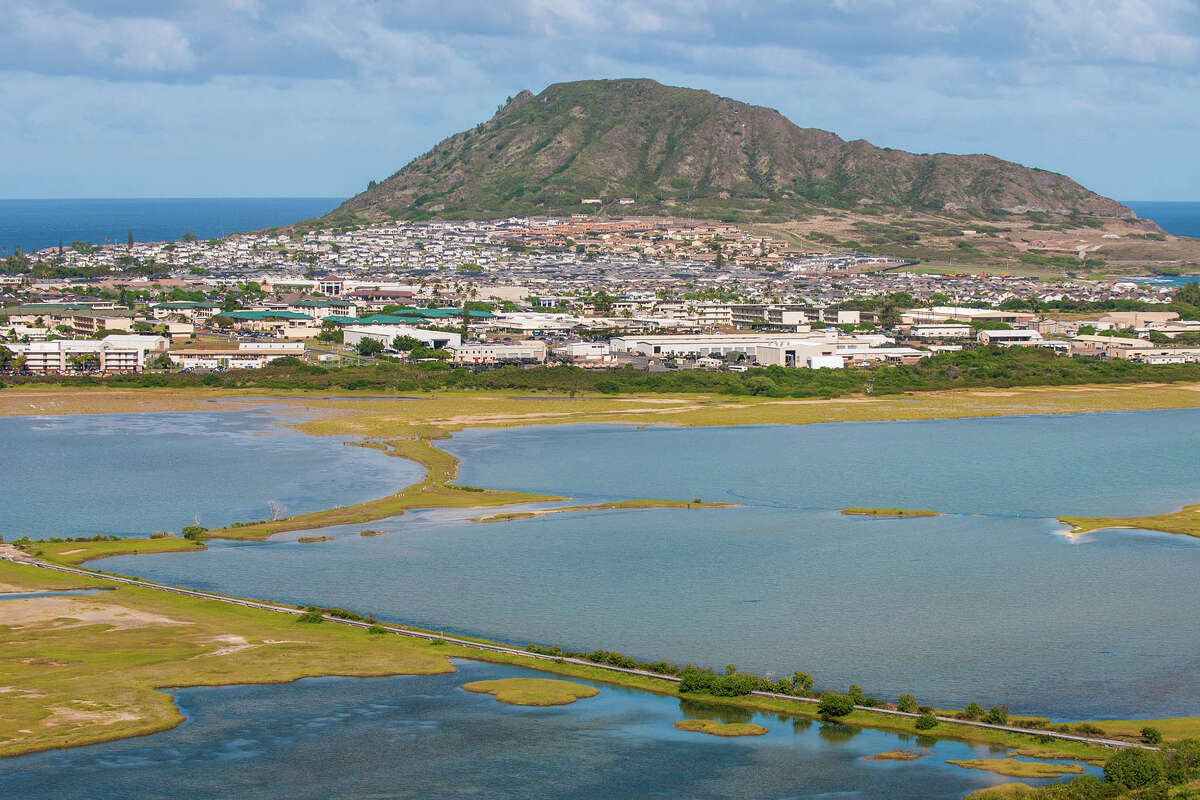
[{"x": 131, "y": 474}]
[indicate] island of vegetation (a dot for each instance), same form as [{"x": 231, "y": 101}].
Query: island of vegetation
[
  {"x": 889, "y": 512},
  {"x": 532, "y": 691},
  {"x": 1185, "y": 521},
  {"x": 613, "y": 506},
  {"x": 1014, "y": 768},
  {"x": 904, "y": 754},
  {"x": 714, "y": 727}
]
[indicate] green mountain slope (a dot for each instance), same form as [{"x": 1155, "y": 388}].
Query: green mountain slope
[{"x": 686, "y": 152}]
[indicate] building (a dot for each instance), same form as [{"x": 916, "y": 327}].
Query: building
[
  {"x": 526, "y": 352},
  {"x": 384, "y": 334},
  {"x": 79, "y": 355},
  {"x": 1094, "y": 346},
  {"x": 948, "y": 330},
  {"x": 190, "y": 311},
  {"x": 248, "y": 355},
  {"x": 1010, "y": 338},
  {"x": 918, "y": 316}
]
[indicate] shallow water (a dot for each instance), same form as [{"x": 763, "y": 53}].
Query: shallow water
[
  {"x": 131, "y": 474},
  {"x": 423, "y": 737},
  {"x": 995, "y": 608}
]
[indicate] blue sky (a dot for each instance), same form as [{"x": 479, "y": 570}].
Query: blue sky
[{"x": 316, "y": 97}]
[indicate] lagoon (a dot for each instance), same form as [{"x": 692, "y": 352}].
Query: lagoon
[
  {"x": 132, "y": 474},
  {"x": 423, "y": 737},
  {"x": 988, "y": 603}
]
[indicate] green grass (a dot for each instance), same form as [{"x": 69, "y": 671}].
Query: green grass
[
  {"x": 716, "y": 728},
  {"x": 79, "y": 552},
  {"x": 88, "y": 669},
  {"x": 614, "y": 506},
  {"x": 1185, "y": 521},
  {"x": 907, "y": 754},
  {"x": 532, "y": 691},
  {"x": 1013, "y": 768},
  {"x": 889, "y": 512}
]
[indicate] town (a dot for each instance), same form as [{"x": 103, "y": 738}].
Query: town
[{"x": 601, "y": 293}]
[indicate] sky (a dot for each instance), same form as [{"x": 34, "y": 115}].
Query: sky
[{"x": 278, "y": 98}]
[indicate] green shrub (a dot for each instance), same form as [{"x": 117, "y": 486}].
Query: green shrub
[
  {"x": 311, "y": 614},
  {"x": 835, "y": 705},
  {"x": 377, "y": 630},
  {"x": 1133, "y": 768},
  {"x": 1151, "y": 735},
  {"x": 925, "y": 722},
  {"x": 155, "y": 535},
  {"x": 972, "y": 711},
  {"x": 194, "y": 531},
  {"x": 906, "y": 703},
  {"x": 997, "y": 715}
]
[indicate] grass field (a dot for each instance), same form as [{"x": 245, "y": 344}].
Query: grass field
[
  {"x": 113, "y": 651},
  {"x": 724, "y": 729},
  {"x": 889, "y": 512},
  {"x": 532, "y": 691},
  {"x": 79, "y": 552},
  {"x": 85, "y": 669},
  {"x": 1185, "y": 521},
  {"x": 1012, "y": 768}
]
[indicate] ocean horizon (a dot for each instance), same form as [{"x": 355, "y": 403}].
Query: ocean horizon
[{"x": 35, "y": 224}]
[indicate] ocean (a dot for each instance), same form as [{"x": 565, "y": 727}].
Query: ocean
[
  {"x": 36, "y": 224},
  {"x": 1181, "y": 219}
]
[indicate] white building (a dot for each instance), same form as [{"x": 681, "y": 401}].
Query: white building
[
  {"x": 1010, "y": 338},
  {"x": 71, "y": 355},
  {"x": 384, "y": 334},
  {"x": 240, "y": 358},
  {"x": 496, "y": 353},
  {"x": 947, "y": 330}
]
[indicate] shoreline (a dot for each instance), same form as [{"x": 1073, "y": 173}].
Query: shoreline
[
  {"x": 1026, "y": 741},
  {"x": 443, "y": 467}
]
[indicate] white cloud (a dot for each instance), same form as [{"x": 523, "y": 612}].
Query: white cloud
[{"x": 139, "y": 44}]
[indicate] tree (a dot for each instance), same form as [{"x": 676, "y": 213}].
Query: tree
[
  {"x": 1151, "y": 735},
  {"x": 972, "y": 711},
  {"x": 906, "y": 703},
  {"x": 406, "y": 344},
  {"x": 835, "y": 706},
  {"x": 1188, "y": 293},
  {"x": 925, "y": 722},
  {"x": 1133, "y": 768},
  {"x": 188, "y": 236},
  {"x": 802, "y": 681},
  {"x": 84, "y": 362},
  {"x": 369, "y": 347},
  {"x": 162, "y": 361},
  {"x": 997, "y": 715}
]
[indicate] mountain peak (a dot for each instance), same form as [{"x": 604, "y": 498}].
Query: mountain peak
[{"x": 689, "y": 152}]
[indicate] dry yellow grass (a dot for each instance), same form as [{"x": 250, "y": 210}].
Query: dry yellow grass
[
  {"x": 1012, "y": 768},
  {"x": 532, "y": 691},
  {"x": 713, "y": 727},
  {"x": 86, "y": 669}
]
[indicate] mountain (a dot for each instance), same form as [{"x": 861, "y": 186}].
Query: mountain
[{"x": 686, "y": 152}]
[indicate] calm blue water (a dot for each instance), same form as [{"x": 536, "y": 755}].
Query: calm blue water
[
  {"x": 1181, "y": 219},
  {"x": 35, "y": 224},
  {"x": 131, "y": 474},
  {"x": 423, "y": 737},
  {"x": 987, "y": 604}
]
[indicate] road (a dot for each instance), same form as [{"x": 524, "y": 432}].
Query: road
[{"x": 7, "y": 554}]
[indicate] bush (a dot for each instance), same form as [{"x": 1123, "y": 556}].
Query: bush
[
  {"x": 311, "y": 615},
  {"x": 155, "y": 535},
  {"x": 835, "y": 705},
  {"x": 906, "y": 703},
  {"x": 925, "y": 722},
  {"x": 1133, "y": 768},
  {"x": 194, "y": 531},
  {"x": 1151, "y": 735},
  {"x": 972, "y": 711},
  {"x": 997, "y": 715},
  {"x": 376, "y": 630}
]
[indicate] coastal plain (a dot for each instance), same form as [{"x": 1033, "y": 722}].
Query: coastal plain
[{"x": 192, "y": 644}]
